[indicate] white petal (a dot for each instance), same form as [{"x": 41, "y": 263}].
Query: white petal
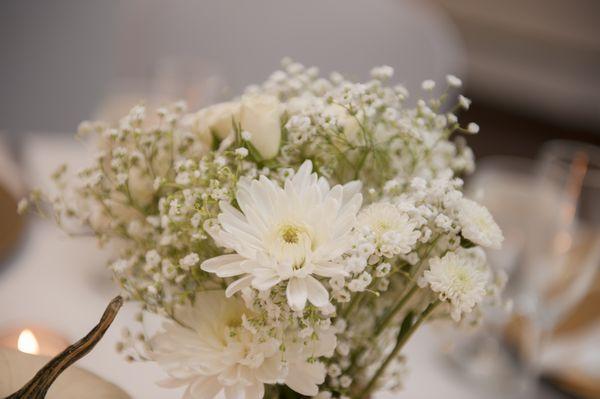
[
  {"x": 317, "y": 294},
  {"x": 174, "y": 382},
  {"x": 226, "y": 207},
  {"x": 238, "y": 285},
  {"x": 344, "y": 224},
  {"x": 270, "y": 190},
  {"x": 203, "y": 388},
  {"x": 325, "y": 345},
  {"x": 301, "y": 178},
  {"x": 265, "y": 279},
  {"x": 306, "y": 377},
  {"x": 231, "y": 269},
  {"x": 352, "y": 206},
  {"x": 230, "y": 241},
  {"x": 215, "y": 264},
  {"x": 323, "y": 185},
  {"x": 234, "y": 392},
  {"x": 270, "y": 371},
  {"x": 350, "y": 189},
  {"x": 329, "y": 269},
  {"x": 228, "y": 219},
  {"x": 241, "y": 235},
  {"x": 253, "y": 205},
  {"x": 256, "y": 391},
  {"x": 336, "y": 193},
  {"x": 297, "y": 293},
  {"x": 332, "y": 249},
  {"x": 230, "y": 376}
]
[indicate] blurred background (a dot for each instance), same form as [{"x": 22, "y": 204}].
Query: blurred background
[{"x": 531, "y": 67}]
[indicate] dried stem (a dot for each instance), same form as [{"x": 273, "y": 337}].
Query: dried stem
[{"x": 38, "y": 386}]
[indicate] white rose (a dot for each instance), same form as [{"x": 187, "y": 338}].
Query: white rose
[
  {"x": 120, "y": 212},
  {"x": 140, "y": 186},
  {"x": 98, "y": 218},
  {"x": 216, "y": 119},
  {"x": 162, "y": 161},
  {"x": 260, "y": 115}
]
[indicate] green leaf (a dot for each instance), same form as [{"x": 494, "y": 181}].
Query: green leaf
[
  {"x": 254, "y": 153},
  {"x": 466, "y": 243},
  {"x": 216, "y": 140},
  {"x": 406, "y": 324}
]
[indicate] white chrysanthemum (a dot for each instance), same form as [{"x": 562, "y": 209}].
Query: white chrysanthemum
[
  {"x": 304, "y": 375},
  {"x": 212, "y": 352},
  {"x": 459, "y": 279},
  {"x": 287, "y": 234},
  {"x": 478, "y": 225},
  {"x": 395, "y": 233}
]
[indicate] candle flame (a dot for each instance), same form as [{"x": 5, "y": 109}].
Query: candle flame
[{"x": 27, "y": 342}]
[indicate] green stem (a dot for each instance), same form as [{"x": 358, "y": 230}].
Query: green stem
[
  {"x": 340, "y": 152},
  {"x": 353, "y": 303},
  {"x": 412, "y": 288},
  {"x": 389, "y": 316},
  {"x": 403, "y": 337}
]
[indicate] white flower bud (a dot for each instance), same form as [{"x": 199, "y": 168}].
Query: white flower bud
[
  {"x": 473, "y": 128},
  {"x": 246, "y": 135},
  {"x": 260, "y": 115},
  {"x": 453, "y": 81},
  {"x": 464, "y": 102},
  {"x": 428, "y": 85},
  {"x": 241, "y": 152}
]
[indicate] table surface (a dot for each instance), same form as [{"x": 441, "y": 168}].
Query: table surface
[{"x": 62, "y": 283}]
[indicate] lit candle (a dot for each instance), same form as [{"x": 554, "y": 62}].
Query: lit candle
[
  {"x": 27, "y": 342},
  {"x": 34, "y": 340},
  {"x": 27, "y": 375}
]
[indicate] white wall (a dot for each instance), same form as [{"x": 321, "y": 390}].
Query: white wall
[{"x": 60, "y": 58}]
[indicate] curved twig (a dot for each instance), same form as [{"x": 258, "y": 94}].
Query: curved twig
[{"x": 38, "y": 386}]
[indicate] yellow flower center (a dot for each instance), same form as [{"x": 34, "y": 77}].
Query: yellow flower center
[
  {"x": 290, "y": 234},
  {"x": 291, "y": 241}
]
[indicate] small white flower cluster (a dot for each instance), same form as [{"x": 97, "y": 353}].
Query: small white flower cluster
[
  {"x": 293, "y": 236},
  {"x": 459, "y": 278}
]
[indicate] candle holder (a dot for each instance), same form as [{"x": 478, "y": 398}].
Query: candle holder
[{"x": 38, "y": 386}]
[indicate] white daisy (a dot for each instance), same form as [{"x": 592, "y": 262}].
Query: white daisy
[
  {"x": 478, "y": 225},
  {"x": 395, "y": 233},
  {"x": 459, "y": 279},
  {"x": 287, "y": 234},
  {"x": 211, "y": 352}
]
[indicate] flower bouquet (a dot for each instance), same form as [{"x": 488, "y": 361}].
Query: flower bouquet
[{"x": 293, "y": 239}]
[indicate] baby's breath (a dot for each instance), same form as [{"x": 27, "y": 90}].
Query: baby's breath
[{"x": 254, "y": 206}]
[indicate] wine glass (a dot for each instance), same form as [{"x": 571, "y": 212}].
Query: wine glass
[
  {"x": 563, "y": 253},
  {"x": 504, "y": 185},
  {"x": 550, "y": 255}
]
